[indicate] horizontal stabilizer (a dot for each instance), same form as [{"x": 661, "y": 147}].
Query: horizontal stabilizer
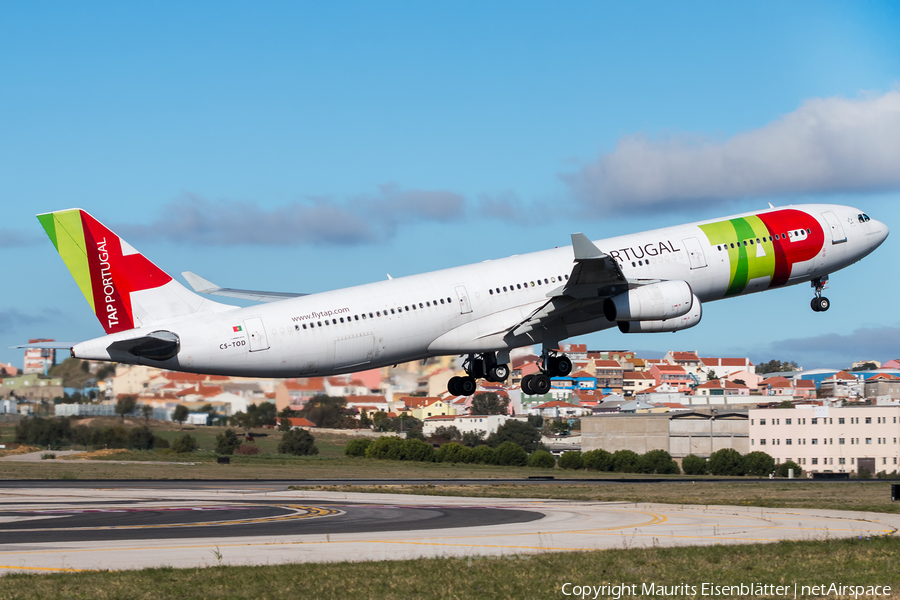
[
  {"x": 204, "y": 286},
  {"x": 50, "y": 345}
]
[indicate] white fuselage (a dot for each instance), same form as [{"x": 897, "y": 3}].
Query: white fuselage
[{"x": 461, "y": 311}]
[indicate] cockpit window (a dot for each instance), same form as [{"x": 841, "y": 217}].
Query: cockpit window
[{"x": 863, "y": 218}]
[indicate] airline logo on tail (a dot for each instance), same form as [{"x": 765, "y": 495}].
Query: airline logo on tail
[
  {"x": 766, "y": 245},
  {"x": 105, "y": 267}
]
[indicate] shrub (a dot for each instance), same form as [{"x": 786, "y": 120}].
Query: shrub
[
  {"x": 453, "y": 453},
  {"x": 386, "y": 448},
  {"x": 140, "y": 438},
  {"x": 227, "y": 442},
  {"x": 541, "y": 459},
  {"x": 247, "y": 449},
  {"x": 417, "y": 450},
  {"x": 298, "y": 442},
  {"x": 511, "y": 454},
  {"x": 625, "y": 461},
  {"x": 863, "y": 473},
  {"x": 694, "y": 465},
  {"x": 357, "y": 447},
  {"x": 658, "y": 461},
  {"x": 598, "y": 460},
  {"x": 571, "y": 460},
  {"x": 758, "y": 463},
  {"x": 185, "y": 444},
  {"x": 726, "y": 461},
  {"x": 782, "y": 469},
  {"x": 48, "y": 456},
  {"x": 484, "y": 455},
  {"x": 160, "y": 442}
]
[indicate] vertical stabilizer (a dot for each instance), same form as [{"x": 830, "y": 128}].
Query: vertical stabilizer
[{"x": 124, "y": 289}]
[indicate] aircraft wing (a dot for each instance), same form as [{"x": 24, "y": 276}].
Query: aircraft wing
[
  {"x": 595, "y": 277},
  {"x": 203, "y": 286}
]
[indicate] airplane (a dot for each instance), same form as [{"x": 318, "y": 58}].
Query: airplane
[{"x": 654, "y": 281}]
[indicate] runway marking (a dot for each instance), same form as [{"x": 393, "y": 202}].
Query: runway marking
[
  {"x": 309, "y": 512},
  {"x": 46, "y": 569}
]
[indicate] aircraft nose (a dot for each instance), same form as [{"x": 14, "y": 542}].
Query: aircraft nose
[{"x": 879, "y": 233}]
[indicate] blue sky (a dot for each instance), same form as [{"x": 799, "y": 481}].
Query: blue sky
[{"x": 311, "y": 146}]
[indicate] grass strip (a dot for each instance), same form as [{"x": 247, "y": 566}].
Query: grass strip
[
  {"x": 681, "y": 572},
  {"x": 856, "y": 496}
]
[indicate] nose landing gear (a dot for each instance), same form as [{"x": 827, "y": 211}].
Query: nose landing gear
[{"x": 820, "y": 303}]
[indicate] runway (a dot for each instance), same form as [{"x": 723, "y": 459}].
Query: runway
[{"x": 68, "y": 527}]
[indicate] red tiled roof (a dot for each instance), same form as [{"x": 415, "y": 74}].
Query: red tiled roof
[
  {"x": 556, "y": 404},
  {"x": 636, "y": 375},
  {"x": 805, "y": 383},
  {"x": 298, "y": 422},
  {"x": 779, "y": 382},
  {"x": 609, "y": 364},
  {"x": 312, "y": 384},
  {"x": 685, "y": 356},
  {"x": 203, "y": 390}
]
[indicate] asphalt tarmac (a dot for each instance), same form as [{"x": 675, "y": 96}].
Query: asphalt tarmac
[{"x": 70, "y": 526}]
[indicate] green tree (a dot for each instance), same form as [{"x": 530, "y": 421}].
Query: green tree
[
  {"x": 453, "y": 452},
  {"x": 473, "y": 438},
  {"x": 519, "y": 432},
  {"x": 147, "y": 412},
  {"x": 559, "y": 426},
  {"x": 387, "y": 447},
  {"x": 227, "y": 442},
  {"x": 541, "y": 459},
  {"x": 140, "y": 438},
  {"x": 776, "y": 366},
  {"x": 126, "y": 405},
  {"x": 417, "y": 450},
  {"x": 711, "y": 375},
  {"x": 185, "y": 444},
  {"x": 511, "y": 454},
  {"x": 180, "y": 414},
  {"x": 659, "y": 462},
  {"x": 484, "y": 455},
  {"x": 726, "y": 461},
  {"x": 571, "y": 460},
  {"x": 326, "y": 411},
  {"x": 783, "y": 468},
  {"x": 298, "y": 442},
  {"x": 625, "y": 461},
  {"x": 758, "y": 463},
  {"x": 598, "y": 460},
  {"x": 694, "y": 465},
  {"x": 489, "y": 403},
  {"x": 442, "y": 435},
  {"x": 357, "y": 447}
]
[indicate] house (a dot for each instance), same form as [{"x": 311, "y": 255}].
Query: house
[
  {"x": 883, "y": 384},
  {"x": 673, "y": 375},
  {"x": 294, "y": 393},
  {"x": 751, "y": 380},
  {"x": 557, "y": 409},
  {"x": 724, "y": 367},
  {"x": 431, "y": 408},
  {"x": 892, "y": 364},
  {"x": 778, "y": 386},
  {"x": 841, "y": 385},
  {"x": 296, "y": 422},
  {"x": 689, "y": 361},
  {"x": 581, "y": 380},
  {"x": 635, "y": 382},
  {"x": 721, "y": 387},
  {"x": 465, "y": 423},
  {"x": 609, "y": 375}
]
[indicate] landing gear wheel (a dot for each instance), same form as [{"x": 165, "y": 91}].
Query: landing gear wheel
[
  {"x": 498, "y": 374},
  {"x": 540, "y": 384},
  {"x": 467, "y": 386},
  {"x": 560, "y": 366},
  {"x": 821, "y": 304},
  {"x": 453, "y": 386},
  {"x": 526, "y": 384},
  {"x": 814, "y": 304}
]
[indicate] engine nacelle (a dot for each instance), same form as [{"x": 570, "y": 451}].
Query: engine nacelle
[
  {"x": 685, "y": 321},
  {"x": 654, "y": 302}
]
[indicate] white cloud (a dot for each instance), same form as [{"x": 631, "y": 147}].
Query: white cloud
[
  {"x": 357, "y": 220},
  {"x": 828, "y": 145}
]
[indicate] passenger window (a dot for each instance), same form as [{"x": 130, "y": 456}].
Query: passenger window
[
  {"x": 545, "y": 280},
  {"x": 342, "y": 319},
  {"x": 378, "y": 313},
  {"x": 751, "y": 242},
  {"x": 356, "y": 317},
  {"x": 553, "y": 279},
  {"x": 392, "y": 312},
  {"x": 320, "y": 323},
  {"x": 407, "y": 308},
  {"x": 364, "y": 316},
  {"x": 633, "y": 264},
  {"x": 732, "y": 244},
  {"x": 334, "y": 321},
  {"x": 420, "y": 305},
  {"x": 504, "y": 288},
  {"x": 304, "y": 326},
  {"x": 491, "y": 292},
  {"x": 442, "y": 300},
  {"x": 519, "y": 286},
  {"x": 448, "y": 300}
]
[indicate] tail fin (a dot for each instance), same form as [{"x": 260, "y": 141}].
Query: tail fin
[{"x": 124, "y": 289}]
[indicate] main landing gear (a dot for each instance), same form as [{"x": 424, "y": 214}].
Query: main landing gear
[
  {"x": 553, "y": 364},
  {"x": 820, "y": 303},
  {"x": 478, "y": 366}
]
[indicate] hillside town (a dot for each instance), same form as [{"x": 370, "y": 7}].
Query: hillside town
[{"x": 685, "y": 403}]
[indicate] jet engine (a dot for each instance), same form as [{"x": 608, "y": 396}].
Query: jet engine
[
  {"x": 655, "y": 302},
  {"x": 685, "y": 321}
]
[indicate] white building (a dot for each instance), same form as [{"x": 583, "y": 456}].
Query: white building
[
  {"x": 826, "y": 439},
  {"x": 9, "y": 407},
  {"x": 465, "y": 423}
]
